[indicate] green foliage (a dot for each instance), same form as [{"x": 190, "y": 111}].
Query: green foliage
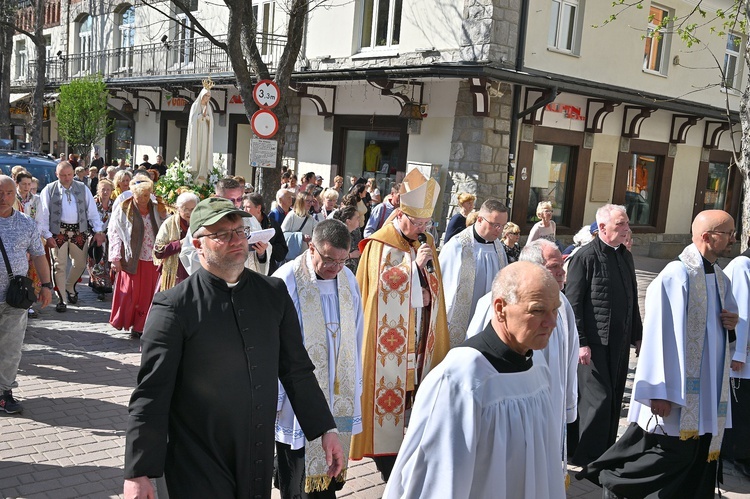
[{"x": 82, "y": 114}]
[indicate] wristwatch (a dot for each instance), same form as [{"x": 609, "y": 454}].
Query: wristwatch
[{"x": 47, "y": 285}]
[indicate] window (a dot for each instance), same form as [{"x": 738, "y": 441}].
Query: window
[
  {"x": 381, "y": 23},
  {"x": 732, "y": 61},
  {"x": 656, "y": 51},
  {"x": 563, "y": 28},
  {"x": 641, "y": 188},
  {"x": 127, "y": 37},
  {"x": 184, "y": 40},
  {"x": 21, "y": 59},
  {"x": 716, "y": 187},
  {"x": 84, "y": 43},
  {"x": 549, "y": 180}
]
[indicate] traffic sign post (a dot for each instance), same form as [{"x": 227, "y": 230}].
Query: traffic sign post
[
  {"x": 264, "y": 123},
  {"x": 266, "y": 94}
]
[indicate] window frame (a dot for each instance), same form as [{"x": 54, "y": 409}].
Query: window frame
[
  {"x": 85, "y": 39},
  {"x": 392, "y": 21},
  {"x": 21, "y": 60},
  {"x": 126, "y": 40},
  {"x": 556, "y": 25},
  {"x": 737, "y": 54},
  {"x": 663, "y": 44}
]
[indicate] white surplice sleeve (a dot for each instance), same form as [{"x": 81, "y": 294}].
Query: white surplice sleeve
[
  {"x": 482, "y": 316},
  {"x": 738, "y": 272},
  {"x": 571, "y": 387},
  {"x": 450, "y": 269}
]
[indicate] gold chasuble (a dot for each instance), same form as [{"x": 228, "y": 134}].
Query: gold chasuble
[{"x": 397, "y": 352}]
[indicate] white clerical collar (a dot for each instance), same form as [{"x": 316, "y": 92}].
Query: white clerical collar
[{"x": 230, "y": 285}]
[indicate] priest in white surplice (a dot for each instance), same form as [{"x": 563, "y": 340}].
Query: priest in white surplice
[
  {"x": 482, "y": 423},
  {"x": 678, "y": 409},
  {"x": 735, "y": 446},
  {"x": 329, "y": 307},
  {"x": 561, "y": 353},
  {"x": 469, "y": 262}
]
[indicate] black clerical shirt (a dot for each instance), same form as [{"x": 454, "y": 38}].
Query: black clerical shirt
[{"x": 500, "y": 355}]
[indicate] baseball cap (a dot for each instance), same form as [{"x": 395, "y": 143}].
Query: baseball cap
[
  {"x": 318, "y": 177},
  {"x": 593, "y": 229},
  {"x": 211, "y": 210}
]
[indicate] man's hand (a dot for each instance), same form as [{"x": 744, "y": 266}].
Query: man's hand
[
  {"x": 584, "y": 355},
  {"x": 728, "y": 319},
  {"x": 334, "y": 454},
  {"x": 661, "y": 408},
  {"x": 138, "y": 488},
  {"x": 51, "y": 242},
  {"x": 99, "y": 237},
  {"x": 260, "y": 248},
  {"x": 306, "y": 238},
  {"x": 45, "y": 296},
  {"x": 736, "y": 365},
  {"x": 424, "y": 255}
]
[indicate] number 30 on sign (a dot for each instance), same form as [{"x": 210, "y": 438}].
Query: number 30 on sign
[{"x": 266, "y": 94}]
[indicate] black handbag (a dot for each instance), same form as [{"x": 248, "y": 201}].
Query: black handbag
[{"x": 20, "y": 292}]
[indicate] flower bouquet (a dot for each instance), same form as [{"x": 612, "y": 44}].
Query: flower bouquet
[{"x": 179, "y": 178}]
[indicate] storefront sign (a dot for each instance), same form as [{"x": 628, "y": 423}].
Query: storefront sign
[
  {"x": 570, "y": 112},
  {"x": 263, "y": 153}
]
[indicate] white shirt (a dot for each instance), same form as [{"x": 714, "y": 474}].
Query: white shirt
[{"x": 69, "y": 214}]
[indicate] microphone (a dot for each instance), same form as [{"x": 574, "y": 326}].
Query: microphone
[{"x": 428, "y": 266}]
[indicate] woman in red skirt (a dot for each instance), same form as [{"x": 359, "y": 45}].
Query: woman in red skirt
[{"x": 132, "y": 232}]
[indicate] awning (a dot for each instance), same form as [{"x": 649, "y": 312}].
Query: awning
[{"x": 18, "y": 97}]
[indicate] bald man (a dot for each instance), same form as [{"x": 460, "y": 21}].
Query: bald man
[
  {"x": 483, "y": 423},
  {"x": 678, "y": 409}
]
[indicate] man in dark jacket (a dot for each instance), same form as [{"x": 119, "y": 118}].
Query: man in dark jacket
[
  {"x": 602, "y": 289},
  {"x": 213, "y": 349}
]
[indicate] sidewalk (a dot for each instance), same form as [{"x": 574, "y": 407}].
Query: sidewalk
[{"x": 75, "y": 380}]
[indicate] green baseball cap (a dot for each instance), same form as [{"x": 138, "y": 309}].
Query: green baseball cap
[{"x": 211, "y": 210}]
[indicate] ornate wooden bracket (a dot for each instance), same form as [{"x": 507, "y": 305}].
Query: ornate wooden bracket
[
  {"x": 632, "y": 119},
  {"x": 533, "y": 114},
  {"x": 480, "y": 97},
  {"x": 681, "y": 125},
  {"x": 319, "y": 101},
  {"x": 149, "y": 102},
  {"x": 712, "y": 133},
  {"x": 597, "y": 111}
]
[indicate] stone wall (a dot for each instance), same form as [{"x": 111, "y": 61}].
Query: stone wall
[{"x": 291, "y": 141}]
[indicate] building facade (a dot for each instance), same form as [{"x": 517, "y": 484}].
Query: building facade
[{"x": 491, "y": 96}]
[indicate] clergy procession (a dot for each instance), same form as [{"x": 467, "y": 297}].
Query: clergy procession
[{"x": 279, "y": 349}]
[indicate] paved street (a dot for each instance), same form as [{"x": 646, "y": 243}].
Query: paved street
[{"x": 76, "y": 377}]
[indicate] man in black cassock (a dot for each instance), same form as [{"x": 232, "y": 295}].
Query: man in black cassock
[
  {"x": 213, "y": 348},
  {"x": 603, "y": 292}
]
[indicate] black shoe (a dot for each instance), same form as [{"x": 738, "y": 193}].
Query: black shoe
[
  {"x": 100, "y": 297},
  {"x": 61, "y": 307},
  {"x": 72, "y": 299},
  {"x": 743, "y": 467},
  {"x": 33, "y": 314},
  {"x": 135, "y": 335},
  {"x": 9, "y": 404}
]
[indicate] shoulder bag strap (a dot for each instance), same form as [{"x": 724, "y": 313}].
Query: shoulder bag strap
[
  {"x": 303, "y": 224},
  {"x": 7, "y": 262}
]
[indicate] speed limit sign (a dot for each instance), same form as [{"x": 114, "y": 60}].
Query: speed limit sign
[{"x": 266, "y": 94}]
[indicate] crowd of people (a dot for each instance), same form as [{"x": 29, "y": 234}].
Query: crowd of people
[{"x": 329, "y": 327}]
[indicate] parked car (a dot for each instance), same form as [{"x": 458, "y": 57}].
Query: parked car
[{"x": 39, "y": 166}]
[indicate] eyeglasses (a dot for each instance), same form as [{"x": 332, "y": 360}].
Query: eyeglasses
[
  {"x": 225, "y": 236},
  {"x": 494, "y": 226},
  {"x": 513, "y": 234},
  {"x": 235, "y": 200},
  {"x": 726, "y": 233},
  {"x": 329, "y": 263},
  {"x": 420, "y": 225}
]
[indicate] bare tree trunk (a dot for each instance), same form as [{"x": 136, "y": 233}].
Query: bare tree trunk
[
  {"x": 6, "y": 52},
  {"x": 743, "y": 161},
  {"x": 37, "y": 101}
]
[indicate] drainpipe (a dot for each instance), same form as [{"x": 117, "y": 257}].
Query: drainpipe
[{"x": 516, "y": 104}]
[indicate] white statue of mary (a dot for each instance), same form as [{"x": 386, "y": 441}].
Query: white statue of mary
[{"x": 199, "y": 147}]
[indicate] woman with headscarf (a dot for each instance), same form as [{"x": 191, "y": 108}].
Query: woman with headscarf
[
  {"x": 169, "y": 242},
  {"x": 134, "y": 225},
  {"x": 97, "y": 262}
]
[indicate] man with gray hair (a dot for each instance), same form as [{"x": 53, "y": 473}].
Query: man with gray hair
[
  {"x": 482, "y": 424},
  {"x": 284, "y": 201},
  {"x": 67, "y": 214},
  {"x": 326, "y": 297},
  {"x": 603, "y": 292},
  {"x": 469, "y": 262},
  {"x": 561, "y": 354}
]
